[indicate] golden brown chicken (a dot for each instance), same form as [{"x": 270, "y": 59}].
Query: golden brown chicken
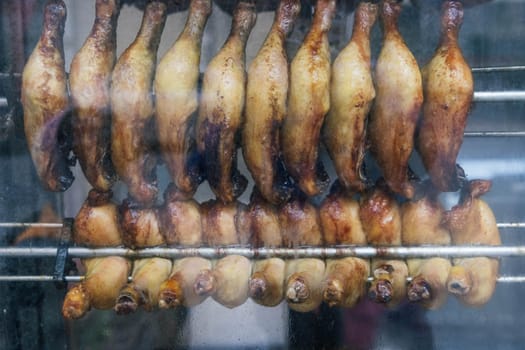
[
  {"x": 265, "y": 225},
  {"x": 422, "y": 222},
  {"x": 104, "y": 277},
  {"x": 308, "y": 103},
  {"x": 89, "y": 82},
  {"x": 351, "y": 95},
  {"x": 140, "y": 226},
  {"x": 381, "y": 220},
  {"x": 448, "y": 89},
  {"x": 266, "y": 94},
  {"x": 266, "y": 285},
  {"x": 179, "y": 288},
  {"x": 225, "y": 224},
  {"x": 304, "y": 284},
  {"x": 96, "y": 223},
  {"x": 397, "y": 104},
  {"x": 132, "y": 108},
  {"x": 46, "y": 103},
  {"x": 176, "y": 102},
  {"x": 221, "y": 107},
  {"x": 180, "y": 219},
  {"x": 300, "y": 223},
  {"x": 345, "y": 279},
  {"x": 473, "y": 280},
  {"x": 147, "y": 276},
  {"x": 231, "y": 275}
]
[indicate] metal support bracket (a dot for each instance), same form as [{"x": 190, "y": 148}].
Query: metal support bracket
[{"x": 59, "y": 271}]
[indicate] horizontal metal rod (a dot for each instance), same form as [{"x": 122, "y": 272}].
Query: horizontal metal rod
[
  {"x": 499, "y": 96},
  {"x": 494, "y": 133},
  {"x": 59, "y": 224},
  {"x": 74, "y": 279},
  {"x": 497, "y": 69},
  {"x": 256, "y": 253}
]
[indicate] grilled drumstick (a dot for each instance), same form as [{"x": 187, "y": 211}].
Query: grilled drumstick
[
  {"x": 89, "y": 82},
  {"x": 265, "y": 225},
  {"x": 221, "y": 106},
  {"x": 179, "y": 290},
  {"x": 396, "y": 107},
  {"x": 345, "y": 279},
  {"x": 148, "y": 274},
  {"x": 140, "y": 226},
  {"x": 448, "y": 88},
  {"x": 422, "y": 222},
  {"x": 300, "y": 224},
  {"x": 266, "y": 93},
  {"x": 308, "y": 103},
  {"x": 473, "y": 280},
  {"x": 231, "y": 275},
  {"x": 132, "y": 108},
  {"x": 225, "y": 224},
  {"x": 304, "y": 284},
  {"x": 96, "y": 223},
  {"x": 351, "y": 95},
  {"x": 100, "y": 288},
  {"x": 176, "y": 82},
  {"x": 46, "y": 103},
  {"x": 381, "y": 220},
  {"x": 180, "y": 219},
  {"x": 266, "y": 285}
]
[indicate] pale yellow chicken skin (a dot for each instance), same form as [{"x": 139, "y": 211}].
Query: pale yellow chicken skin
[
  {"x": 266, "y": 95},
  {"x": 176, "y": 81},
  {"x": 351, "y": 96},
  {"x": 308, "y": 103}
]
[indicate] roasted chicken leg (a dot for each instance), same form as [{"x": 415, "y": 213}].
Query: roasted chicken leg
[
  {"x": 231, "y": 275},
  {"x": 266, "y": 93},
  {"x": 221, "y": 107},
  {"x": 304, "y": 284},
  {"x": 397, "y": 104},
  {"x": 176, "y": 82},
  {"x": 132, "y": 108},
  {"x": 89, "y": 81},
  {"x": 448, "y": 89},
  {"x": 225, "y": 224},
  {"x": 351, "y": 95},
  {"x": 300, "y": 223},
  {"x": 46, "y": 103},
  {"x": 308, "y": 103},
  {"x": 473, "y": 280}
]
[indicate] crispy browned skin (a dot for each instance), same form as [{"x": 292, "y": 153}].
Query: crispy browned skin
[
  {"x": 225, "y": 224},
  {"x": 176, "y": 99},
  {"x": 340, "y": 222},
  {"x": 266, "y": 284},
  {"x": 132, "y": 108},
  {"x": 178, "y": 290},
  {"x": 266, "y": 94},
  {"x": 380, "y": 216},
  {"x": 300, "y": 223},
  {"x": 103, "y": 280},
  {"x": 221, "y": 107},
  {"x": 265, "y": 225},
  {"x": 304, "y": 284},
  {"x": 390, "y": 282},
  {"x": 147, "y": 276},
  {"x": 473, "y": 280},
  {"x": 96, "y": 223},
  {"x": 46, "y": 102},
  {"x": 422, "y": 222},
  {"x": 231, "y": 275},
  {"x": 345, "y": 281},
  {"x": 448, "y": 89},
  {"x": 140, "y": 226},
  {"x": 180, "y": 219},
  {"x": 89, "y": 82},
  {"x": 308, "y": 103},
  {"x": 351, "y": 95},
  {"x": 396, "y": 107}
]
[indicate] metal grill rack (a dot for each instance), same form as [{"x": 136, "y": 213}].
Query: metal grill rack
[{"x": 63, "y": 251}]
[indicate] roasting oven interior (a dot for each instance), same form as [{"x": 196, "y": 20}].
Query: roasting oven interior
[{"x": 491, "y": 36}]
